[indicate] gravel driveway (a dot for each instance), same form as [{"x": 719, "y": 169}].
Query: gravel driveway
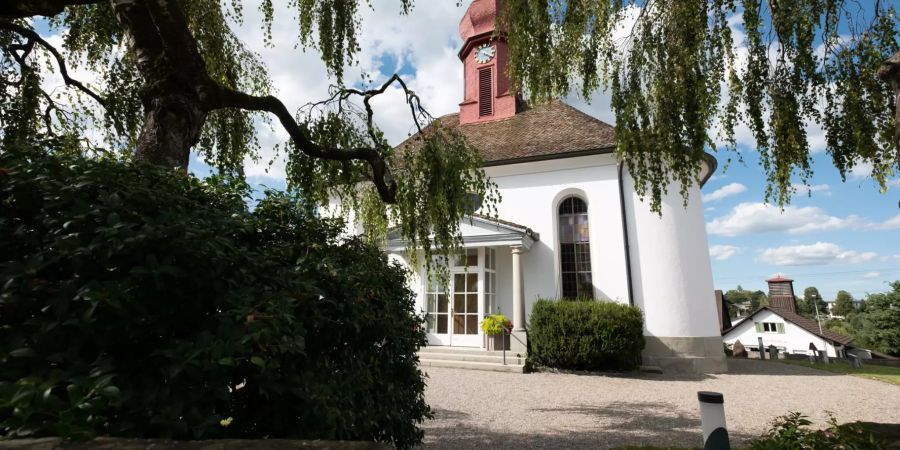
[{"x": 546, "y": 410}]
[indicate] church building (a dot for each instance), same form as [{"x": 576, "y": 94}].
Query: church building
[{"x": 569, "y": 225}]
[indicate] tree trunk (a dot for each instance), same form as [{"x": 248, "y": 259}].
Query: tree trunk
[
  {"x": 173, "y": 74},
  {"x": 889, "y": 72},
  {"x": 172, "y": 124}
]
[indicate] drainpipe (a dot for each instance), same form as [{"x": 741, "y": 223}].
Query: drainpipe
[{"x": 620, "y": 168}]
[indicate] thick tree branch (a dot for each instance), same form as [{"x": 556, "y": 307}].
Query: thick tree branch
[
  {"x": 32, "y": 37},
  {"x": 20, "y": 9},
  {"x": 221, "y": 97}
]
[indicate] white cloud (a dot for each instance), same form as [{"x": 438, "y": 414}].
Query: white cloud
[
  {"x": 817, "y": 254},
  {"x": 891, "y": 224},
  {"x": 861, "y": 170},
  {"x": 723, "y": 252},
  {"x": 870, "y": 275},
  {"x": 802, "y": 189},
  {"x": 752, "y": 218},
  {"x": 725, "y": 191}
]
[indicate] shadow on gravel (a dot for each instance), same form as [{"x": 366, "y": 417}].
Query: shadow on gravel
[{"x": 618, "y": 424}]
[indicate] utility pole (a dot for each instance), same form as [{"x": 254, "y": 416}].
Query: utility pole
[{"x": 818, "y": 320}]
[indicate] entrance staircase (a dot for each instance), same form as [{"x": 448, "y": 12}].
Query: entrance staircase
[{"x": 471, "y": 359}]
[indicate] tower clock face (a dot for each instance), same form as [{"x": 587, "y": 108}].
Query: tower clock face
[{"x": 484, "y": 53}]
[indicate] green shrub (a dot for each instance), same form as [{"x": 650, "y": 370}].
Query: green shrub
[
  {"x": 585, "y": 335},
  {"x": 493, "y": 324},
  {"x": 141, "y": 302},
  {"x": 792, "y": 431}
]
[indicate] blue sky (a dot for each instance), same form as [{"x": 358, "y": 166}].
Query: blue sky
[{"x": 845, "y": 236}]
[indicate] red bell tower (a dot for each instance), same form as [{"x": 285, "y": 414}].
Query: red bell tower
[
  {"x": 781, "y": 293},
  {"x": 487, "y": 93}
]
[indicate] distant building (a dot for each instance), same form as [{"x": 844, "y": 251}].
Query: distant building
[{"x": 779, "y": 324}]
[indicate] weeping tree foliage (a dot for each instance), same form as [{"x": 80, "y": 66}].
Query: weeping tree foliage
[
  {"x": 172, "y": 76},
  {"x": 685, "y": 74}
]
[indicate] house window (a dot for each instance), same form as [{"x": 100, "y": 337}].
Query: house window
[
  {"x": 485, "y": 96},
  {"x": 575, "y": 249},
  {"x": 770, "y": 327}
]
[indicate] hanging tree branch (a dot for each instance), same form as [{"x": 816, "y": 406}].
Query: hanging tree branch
[{"x": 33, "y": 37}]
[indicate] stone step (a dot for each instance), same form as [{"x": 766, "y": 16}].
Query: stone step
[
  {"x": 463, "y": 351},
  {"x": 470, "y": 365},
  {"x": 472, "y": 357}
]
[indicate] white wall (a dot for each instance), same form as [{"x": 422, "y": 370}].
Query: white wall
[
  {"x": 671, "y": 269},
  {"x": 531, "y": 194},
  {"x": 793, "y": 340}
]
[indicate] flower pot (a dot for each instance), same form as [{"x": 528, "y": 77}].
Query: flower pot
[{"x": 497, "y": 342}]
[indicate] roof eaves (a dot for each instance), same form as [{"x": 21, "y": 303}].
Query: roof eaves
[{"x": 547, "y": 157}]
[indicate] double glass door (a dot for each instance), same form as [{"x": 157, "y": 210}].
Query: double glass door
[{"x": 453, "y": 312}]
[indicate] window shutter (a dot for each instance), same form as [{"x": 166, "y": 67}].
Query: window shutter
[
  {"x": 759, "y": 327},
  {"x": 485, "y": 96},
  {"x": 780, "y": 327}
]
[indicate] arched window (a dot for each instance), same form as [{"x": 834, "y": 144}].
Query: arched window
[{"x": 575, "y": 249}]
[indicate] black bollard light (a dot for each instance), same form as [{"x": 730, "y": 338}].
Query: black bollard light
[{"x": 712, "y": 420}]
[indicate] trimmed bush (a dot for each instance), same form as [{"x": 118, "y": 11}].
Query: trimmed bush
[
  {"x": 141, "y": 302},
  {"x": 585, "y": 335}
]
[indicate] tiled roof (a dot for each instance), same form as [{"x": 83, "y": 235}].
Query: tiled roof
[
  {"x": 807, "y": 324},
  {"x": 542, "y": 131},
  {"x": 777, "y": 279}
]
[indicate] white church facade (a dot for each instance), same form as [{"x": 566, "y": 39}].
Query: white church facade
[{"x": 569, "y": 225}]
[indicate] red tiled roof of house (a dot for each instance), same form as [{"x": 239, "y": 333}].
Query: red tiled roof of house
[
  {"x": 807, "y": 324},
  {"x": 547, "y": 130}
]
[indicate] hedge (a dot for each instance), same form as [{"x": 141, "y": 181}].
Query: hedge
[
  {"x": 585, "y": 335},
  {"x": 142, "y": 302}
]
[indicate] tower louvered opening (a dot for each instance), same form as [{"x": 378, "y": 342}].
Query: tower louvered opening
[{"x": 485, "y": 96}]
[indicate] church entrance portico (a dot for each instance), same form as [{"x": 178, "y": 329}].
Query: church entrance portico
[{"x": 485, "y": 278}]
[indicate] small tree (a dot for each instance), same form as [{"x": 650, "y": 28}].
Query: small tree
[
  {"x": 881, "y": 321},
  {"x": 758, "y": 299},
  {"x": 843, "y": 304},
  {"x": 811, "y": 302}
]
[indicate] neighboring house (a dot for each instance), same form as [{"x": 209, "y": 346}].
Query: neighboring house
[
  {"x": 781, "y": 326},
  {"x": 569, "y": 225}
]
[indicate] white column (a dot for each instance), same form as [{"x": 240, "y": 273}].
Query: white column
[{"x": 518, "y": 294}]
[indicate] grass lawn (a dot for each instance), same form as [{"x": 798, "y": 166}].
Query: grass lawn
[{"x": 881, "y": 373}]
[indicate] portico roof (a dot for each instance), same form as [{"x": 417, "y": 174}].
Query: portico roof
[{"x": 481, "y": 231}]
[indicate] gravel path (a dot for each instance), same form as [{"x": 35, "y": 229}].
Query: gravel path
[{"x": 546, "y": 410}]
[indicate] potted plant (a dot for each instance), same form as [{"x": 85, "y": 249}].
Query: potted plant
[{"x": 495, "y": 328}]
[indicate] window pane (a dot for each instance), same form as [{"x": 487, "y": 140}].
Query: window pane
[
  {"x": 459, "y": 303},
  {"x": 566, "y": 229},
  {"x": 429, "y": 323},
  {"x": 578, "y": 205},
  {"x": 472, "y": 282},
  {"x": 569, "y": 285},
  {"x": 565, "y": 207},
  {"x": 459, "y": 324},
  {"x": 442, "y": 303},
  {"x": 472, "y": 303},
  {"x": 585, "y": 287},
  {"x": 493, "y": 259},
  {"x": 581, "y": 228},
  {"x": 472, "y": 257},
  {"x": 459, "y": 282},
  {"x": 471, "y": 324},
  {"x": 432, "y": 302},
  {"x": 442, "y": 324}
]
